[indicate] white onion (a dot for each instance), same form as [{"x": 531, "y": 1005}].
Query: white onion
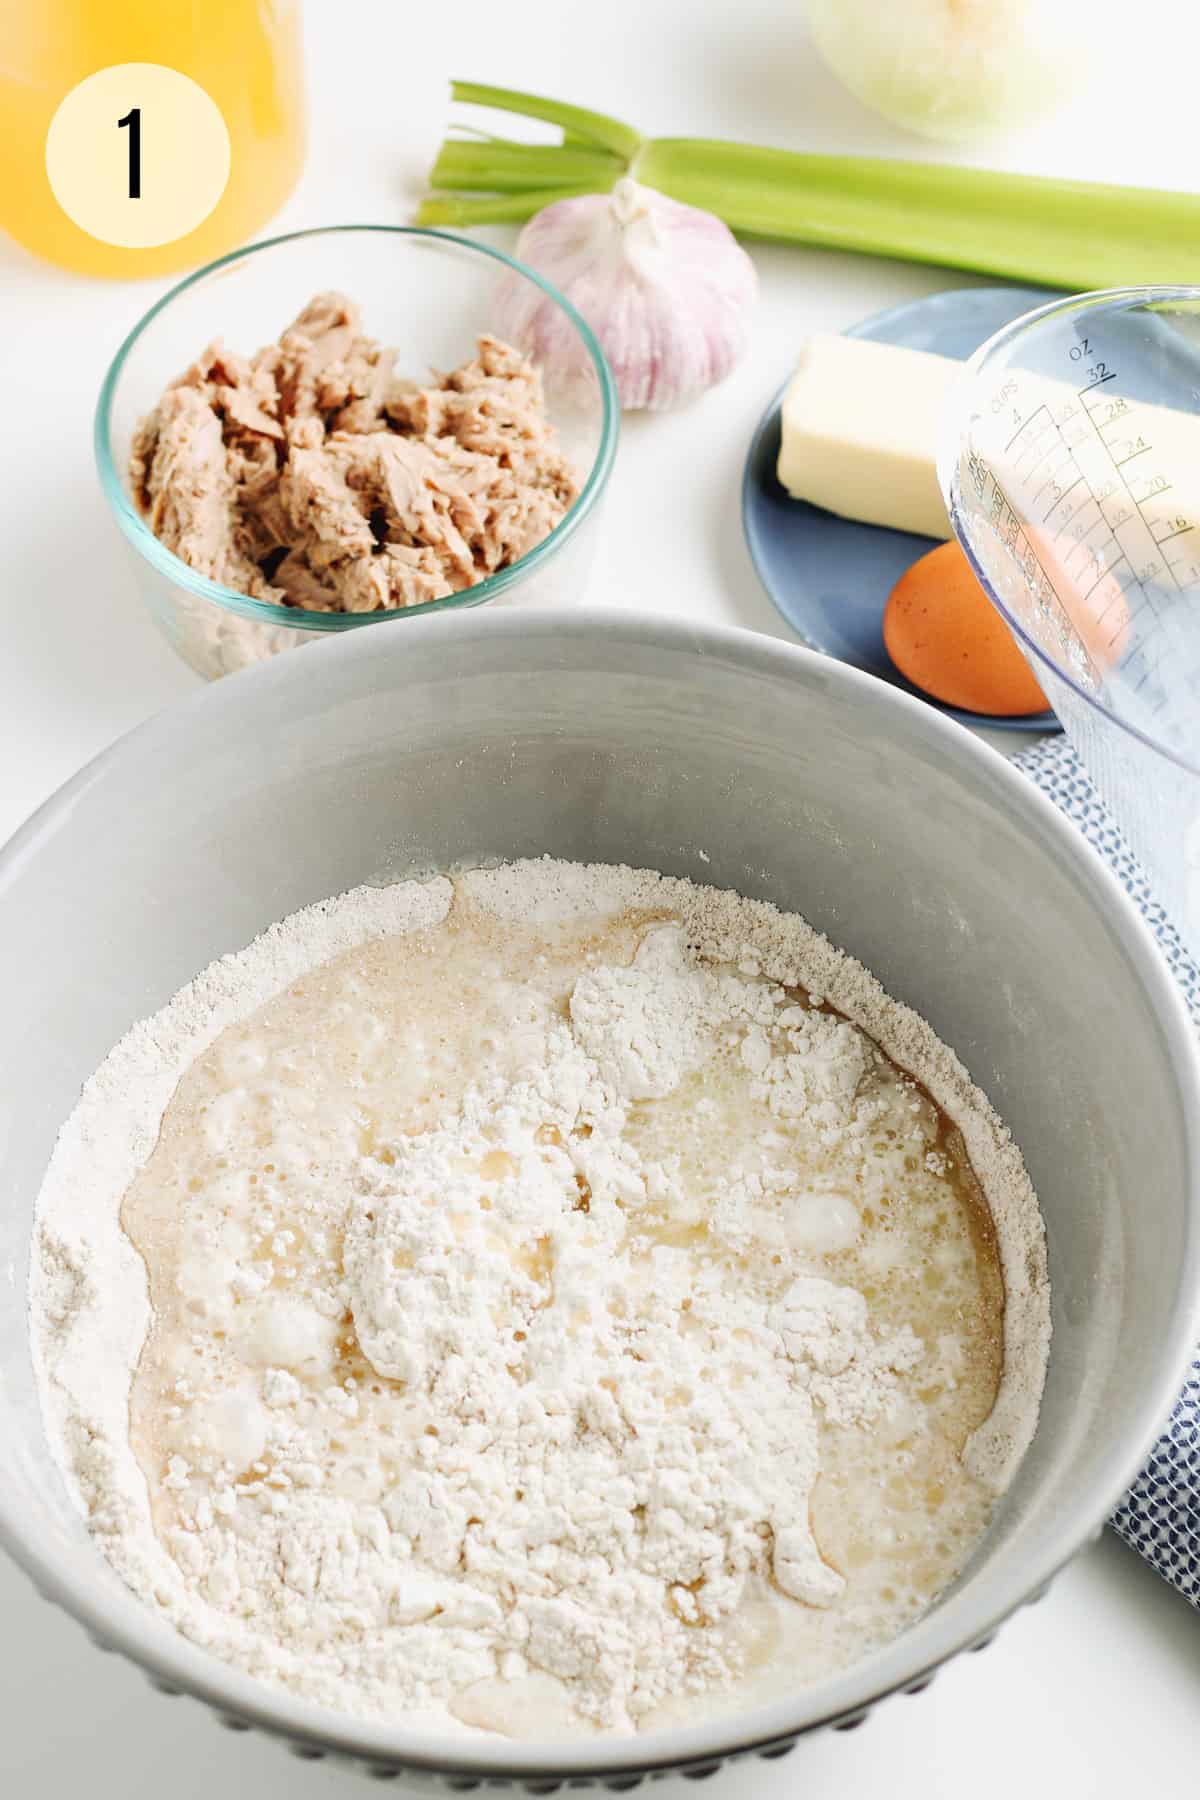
[{"x": 957, "y": 69}]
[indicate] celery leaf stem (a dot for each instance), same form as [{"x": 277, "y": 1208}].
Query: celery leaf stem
[
  {"x": 504, "y": 209},
  {"x": 595, "y": 128},
  {"x": 511, "y": 168}
]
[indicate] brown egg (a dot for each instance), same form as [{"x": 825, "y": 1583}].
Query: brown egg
[{"x": 944, "y": 634}]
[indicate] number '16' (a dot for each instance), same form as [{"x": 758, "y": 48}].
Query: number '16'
[{"x": 133, "y": 119}]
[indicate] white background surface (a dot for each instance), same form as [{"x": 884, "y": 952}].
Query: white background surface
[{"x": 1097, "y": 1690}]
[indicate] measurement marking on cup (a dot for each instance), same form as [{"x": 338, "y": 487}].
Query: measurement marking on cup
[
  {"x": 1025, "y": 423},
  {"x": 1056, "y": 457},
  {"x": 1071, "y": 516},
  {"x": 1059, "y": 498},
  {"x": 1102, "y": 576},
  {"x": 1096, "y": 558},
  {"x": 1048, "y": 457},
  {"x": 1102, "y": 517},
  {"x": 1009, "y": 529},
  {"x": 1155, "y": 486},
  {"x": 1036, "y": 466}
]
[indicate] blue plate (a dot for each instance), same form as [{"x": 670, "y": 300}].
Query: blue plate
[{"x": 830, "y": 577}]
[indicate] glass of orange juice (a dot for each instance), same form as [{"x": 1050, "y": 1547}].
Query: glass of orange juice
[{"x": 246, "y": 55}]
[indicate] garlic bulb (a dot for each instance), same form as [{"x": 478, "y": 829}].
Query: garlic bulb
[
  {"x": 666, "y": 289},
  {"x": 956, "y": 69}
]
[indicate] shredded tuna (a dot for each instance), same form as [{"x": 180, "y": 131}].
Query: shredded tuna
[{"x": 312, "y": 475}]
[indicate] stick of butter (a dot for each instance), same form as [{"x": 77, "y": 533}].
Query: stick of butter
[{"x": 861, "y": 422}]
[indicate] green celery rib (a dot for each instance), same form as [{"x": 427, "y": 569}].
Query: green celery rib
[
  {"x": 505, "y": 209},
  {"x": 513, "y": 168},
  {"x": 1072, "y": 234},
  {"x": 510, "y": 168},
  {"x": 590, "y": 127},
  {"x": 460, "y": 130}
]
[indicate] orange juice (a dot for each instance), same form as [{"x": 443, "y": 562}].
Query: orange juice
[{"x": 246, "y": 54}]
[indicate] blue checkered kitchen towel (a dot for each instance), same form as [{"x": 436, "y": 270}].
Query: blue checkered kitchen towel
[{"x": 1160, "y": 1515}]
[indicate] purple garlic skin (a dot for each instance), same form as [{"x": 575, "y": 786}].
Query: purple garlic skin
[{"x": 666, "y": 289}]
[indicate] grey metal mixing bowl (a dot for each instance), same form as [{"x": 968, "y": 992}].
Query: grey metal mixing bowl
[{"x": 710, "y": 754}]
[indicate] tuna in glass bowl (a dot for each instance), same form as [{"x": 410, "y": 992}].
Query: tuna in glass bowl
[{"x": 430, "y": 296}]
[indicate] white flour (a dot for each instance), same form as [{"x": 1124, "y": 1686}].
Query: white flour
[{"x": 573, "y": 1476}]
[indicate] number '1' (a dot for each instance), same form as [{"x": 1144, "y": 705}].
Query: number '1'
[{"x": 133, "y": 118}]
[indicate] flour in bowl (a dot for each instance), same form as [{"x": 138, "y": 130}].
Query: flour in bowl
[{"x": 547, "y": 1301}]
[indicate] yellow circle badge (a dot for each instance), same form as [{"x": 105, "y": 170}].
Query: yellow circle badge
[{"x": 137, "y": 155}]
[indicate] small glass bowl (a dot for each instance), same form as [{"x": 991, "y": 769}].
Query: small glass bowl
[{"x": 428, "y": 293}]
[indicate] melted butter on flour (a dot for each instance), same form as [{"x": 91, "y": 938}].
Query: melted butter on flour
[{"x": 512, "y": 1281}]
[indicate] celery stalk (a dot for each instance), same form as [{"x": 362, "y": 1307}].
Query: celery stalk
[
  {"x": 508, "y": 168},
  {"x": 1072, "y": 234},
  {"x": 587, "y": 127},
  {"x": 500, "y": 209}
]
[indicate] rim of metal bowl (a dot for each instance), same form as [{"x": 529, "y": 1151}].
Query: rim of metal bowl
[
  {"x": 297, "y": 618},
  {"x": 961, "y": 410}
]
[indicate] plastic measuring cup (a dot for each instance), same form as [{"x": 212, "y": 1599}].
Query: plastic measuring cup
[{"x": 1071, "y": 472}]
